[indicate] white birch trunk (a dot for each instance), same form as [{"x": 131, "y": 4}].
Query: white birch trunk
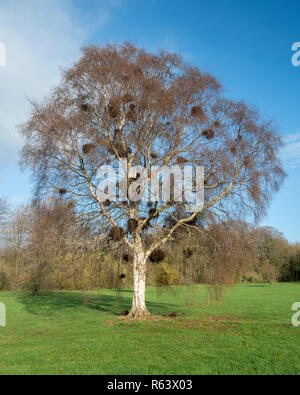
[{"x": 139, "y": 308}]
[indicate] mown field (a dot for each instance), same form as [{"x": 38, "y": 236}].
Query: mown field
[{"x": 83, "y": 333}]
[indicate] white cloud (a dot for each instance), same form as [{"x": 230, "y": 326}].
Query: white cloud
[
  {"x": 40, "y": 36},
  {"x": 291, "y": 151}
]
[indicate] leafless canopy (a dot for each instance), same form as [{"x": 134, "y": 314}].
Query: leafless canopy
[
  {"x": 152, "y": 109},
  {"x": 3, "y": 210}
]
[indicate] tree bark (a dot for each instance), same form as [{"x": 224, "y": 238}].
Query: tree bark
[{"x": 139, "y": 308}]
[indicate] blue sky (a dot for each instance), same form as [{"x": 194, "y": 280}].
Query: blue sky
[{"x": 245, "y": 44}]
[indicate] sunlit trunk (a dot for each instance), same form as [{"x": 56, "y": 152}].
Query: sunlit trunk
[{"x": 139, "y": 308}]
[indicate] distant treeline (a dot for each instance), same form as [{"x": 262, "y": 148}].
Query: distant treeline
[{"x": 47, "y": 246}]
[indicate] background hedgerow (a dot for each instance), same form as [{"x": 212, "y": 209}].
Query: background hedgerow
[{"x": 44, "y": 247}]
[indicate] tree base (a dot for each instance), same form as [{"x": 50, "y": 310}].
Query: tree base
[{"x": 138, "y": 313}]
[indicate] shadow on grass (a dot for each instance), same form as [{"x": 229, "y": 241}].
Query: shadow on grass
[
  {"x": 259, "y": 285},
  {"x": 47, "y": 303}
]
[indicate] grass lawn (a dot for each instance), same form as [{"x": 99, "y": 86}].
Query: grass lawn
[{"x": 82, "y": 333}]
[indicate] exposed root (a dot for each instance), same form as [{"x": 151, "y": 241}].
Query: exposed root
[{"x": 138, "y": 313}]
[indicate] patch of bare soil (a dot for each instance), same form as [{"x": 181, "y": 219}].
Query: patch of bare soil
[
  {"x": 127, "y": 319},
  {"x": 149, "y": 318},
  {"x": 205, "y": 322}
]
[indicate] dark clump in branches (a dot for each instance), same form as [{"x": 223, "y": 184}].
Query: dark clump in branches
[
  {"x": 113, "y": 109},
  {"x": 136, "y": 177},
  {"x": 157, "y": 256},
  {"x": 153, "y": 213},
  {"x": 197, "y": 112},
  {"x": 107, "y": 203},
  {"x": 127, "y": 98},
  {"x": 132, "y": 225},
  {"x": 116, "y": 233},
  {"x": 208, "y": 133},
  {"x": 62, "y": 191},
  {"x": 118, "y": 148},
  {"x": 191, "y": 222},
  {"x": 128, "y": 258},
  {"x": 84, "y": 107},
  {"x": 88, "y": 148},
  {"x": 147, "y": 222},
  {"x": 131, "y": 116},
  {"x": 181, "y": 161},
  {"x": 118, "y": 145}
]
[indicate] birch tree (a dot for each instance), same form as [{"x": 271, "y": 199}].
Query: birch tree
[{"x": 121, "y": 104}]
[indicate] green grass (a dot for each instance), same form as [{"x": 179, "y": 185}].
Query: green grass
[{"x": 70, "y": 333}]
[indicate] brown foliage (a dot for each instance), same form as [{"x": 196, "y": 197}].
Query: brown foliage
[
  {"x": 87, "y": 148},
  {"x": 217, "y": 124},
  {"x": 118, "y": 148},
  {"x": 127, "y": 98},
  {"x": 192, "y": 222},
  {"x": 131, "y": 116},
  {"x": 107, "y": 203},
  {"x": 128, "y": 258},
  {"x": 208, "y": 133},
  {"x": 270, "y": 273},
  {"x": 132, "y": 225},
  {"x": 198, "y": 112},
  {"x": 84, "y": 107},
  {"x": 62, "y": 191},
  {"x": 153, "y": 213},
  {"x": 181, "y": 161},
  {"x": 147, "y": 224},
  {"x": 157, "y": 256},
  {"x": 113, "y": 109},
  {"x": 116, "y": 233}
]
